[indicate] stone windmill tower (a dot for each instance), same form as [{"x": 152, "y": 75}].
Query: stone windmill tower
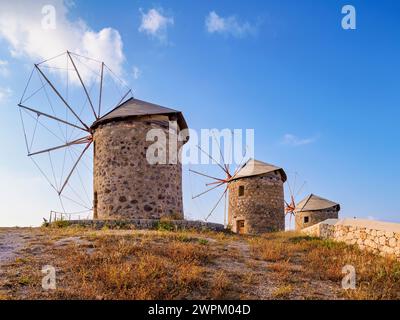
[
  {"x": 76, "y": 114},
  {"x": 126, "y": 185},
  {"x": 256, "y": 198},
  {"x": 314, "y": 209}
]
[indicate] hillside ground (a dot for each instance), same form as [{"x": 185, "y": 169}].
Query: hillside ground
[{"x": 162, "y": 264}]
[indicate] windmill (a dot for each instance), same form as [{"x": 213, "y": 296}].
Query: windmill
[
  {"x": 294, "y": 191},
  {"x": 246, "y": 174},
  {"x": 63, "y": 97},
  {"x": 256, "y": 196},
  {"x": 216, "y": 183}
]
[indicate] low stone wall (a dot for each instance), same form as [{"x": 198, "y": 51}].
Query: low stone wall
[
  {"x": 379, "y": 237},
  {"x": 149, "y": 224}
]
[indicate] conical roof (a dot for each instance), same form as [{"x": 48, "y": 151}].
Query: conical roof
[
  {"x": 314, "y": 203},
  {"x": 255, "y": 168},
  {"x": 136, "y": 108}
]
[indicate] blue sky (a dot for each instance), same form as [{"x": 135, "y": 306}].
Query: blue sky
[{"x": 284, "y": 68}]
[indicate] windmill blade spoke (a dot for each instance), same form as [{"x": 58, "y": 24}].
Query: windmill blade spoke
[
  {"x": 44, "y": 175},
  {"x": 58, "y": 68},
  {"x": 208, "y": 190},
  {"x": 52, "y": 58},
  {"x": 61, "y": 97},
  {"x": 231, "y": 150},
  {"x": 76, "y": 202},
  {"x": 27, "y": 84},
  {"x": 52, "y": 169},
  {"x": 216, "y": 205},
  {"x": 220, "y": 152},
  {"x": 290, "y": 189},
  {"x": 31, "y": 95},
  {"x": 78, "y": 141},
  {"x": 83, "y": 85},
  {"x": 240, "y": 164},
  {"x": 116, "y": 77},
  {"x": 287, "y": 204},
  {"x": 101, "y": 86},
  {"x": 204, "y": 175},
  {"x": 122, "y": 99},
  {"x": 305, "y": 203},
  {"x": 63, "y": 164},
  {"x": 88, "y": 58},
  {"x": 295, "y": 180},
  {"x": 73, "y": 168},
  {"x": 50, "y": 116},
  {"x": 51, "y": 105},
  {"x": 216, "y": 182},
  {"x": 301, "y": 188},
  {"x": 213, "y": 159},
  {"x": 80, "y": 178},
  {"x": 76, "y": 153},
  {"x": 34, "y": 133},
  {"x": 225, "y": 209},
  {"x": 77, "y": 195},
  {"x": 45, "y": 127},
  {"x": 81, "y": 111},
  {"x": 23, "y": 128}
]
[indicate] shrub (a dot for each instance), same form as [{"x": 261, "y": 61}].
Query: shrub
[
  {"x": 203, "y": 241},
  {"x": 164, "y": 225},
  {"x": 61, "y": 224}
]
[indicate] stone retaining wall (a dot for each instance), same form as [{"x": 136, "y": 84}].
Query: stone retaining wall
[
  {"x": 149, "y": 224},
  {"x": 379, "y": 237}
]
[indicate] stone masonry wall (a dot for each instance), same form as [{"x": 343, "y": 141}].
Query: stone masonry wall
[
  {"x": 376, "y": 236},
  {"x": 314, "y": 217},
  {"x": 262, "y": 205},
  {"x": 126, "y": 186}
]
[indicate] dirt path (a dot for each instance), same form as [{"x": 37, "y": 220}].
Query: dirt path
[{"x": 11, "y": 241}]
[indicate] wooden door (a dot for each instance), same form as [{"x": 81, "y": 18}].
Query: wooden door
[{"x": 240, "y": 226}]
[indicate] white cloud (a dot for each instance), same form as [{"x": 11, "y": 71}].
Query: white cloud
[
  {"x": 4, "y": 68},
  {"x": 136, "y": 72},
  {"x": 21, "y": 26},
  {"x": 5, "y": 94},
  {"x": 228, "y": 26},
  {"x": 155, "y": 24},
  {"x": 293, "y": 140}
]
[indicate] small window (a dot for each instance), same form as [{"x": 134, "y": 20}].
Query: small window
[
  {"x": 241, "y": 191},
  {"x": 306, "y": 219}
]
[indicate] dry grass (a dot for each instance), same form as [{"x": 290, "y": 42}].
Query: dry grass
[
  {"x": 376, "y": 277},
  {"x": 162, "y": 264},
  {"x": 221, "y": 283},
  {"x": 127, "y": 269},
  {"x": 283, "y": 292}
]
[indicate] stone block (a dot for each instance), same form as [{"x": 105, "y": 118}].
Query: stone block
[
  {"x": 382, "y": 240},
  {"x": 392, "y": 242},
  {"x": 380, "y": 233}
]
